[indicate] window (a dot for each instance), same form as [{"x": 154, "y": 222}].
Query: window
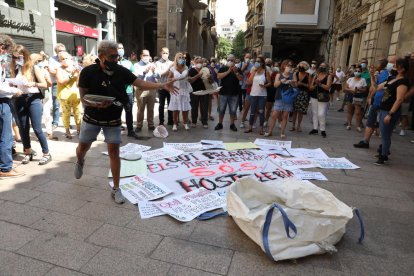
[
  {"x": 16, "y": 3},
  {"x": 298, "y": 6}
]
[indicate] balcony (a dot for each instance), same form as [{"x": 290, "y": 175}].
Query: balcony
[
  {"x": 208, "y": 19},
  {"x": 198, "y": 4},
  {"x": 248, "y": 32},
  {"x": 249, "y": 15}
]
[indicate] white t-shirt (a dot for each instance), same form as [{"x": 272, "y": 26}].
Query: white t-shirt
[
  {"x": 354, "y": 83},
  {"x": 257, "y": 80},
  {"x": 340, "y": 77}
]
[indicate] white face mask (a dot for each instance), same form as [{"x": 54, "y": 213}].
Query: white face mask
[
  {"x": 230, "y": 63},
  {"x": 165, "y": 56},
  {"x": 389, "y": 67},
  {"x": 199, "y": 65},
  {"x": 20, "y": 61},
  {"x": 338, "y": 69},
  {"x": 246, "y": 60},
  {"x": 145, "y": 59}
]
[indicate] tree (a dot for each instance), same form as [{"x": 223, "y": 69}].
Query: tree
[
  {"x": 238, "y": 44},
  {"x": 223, "y": 47}
]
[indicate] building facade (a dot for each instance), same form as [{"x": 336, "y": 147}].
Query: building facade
[
  {"x": 294, "y": 29},
  {"x": 187, "y": 25},
  {"x": 372, "y": 29}
]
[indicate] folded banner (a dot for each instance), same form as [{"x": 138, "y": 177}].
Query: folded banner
[{"x": 188, "y": 206}]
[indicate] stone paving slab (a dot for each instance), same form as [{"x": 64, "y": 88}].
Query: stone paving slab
[
  {"x": 18, "y": 195},
  {"x": 186, "y": 271},
  {"x": 14, "y": 264},
  {"x": 13, "y": 237},
  {"x": 59, "y": 271},
  {"x": 20, "y": 213},
  {"x": 57, "y": 203}
]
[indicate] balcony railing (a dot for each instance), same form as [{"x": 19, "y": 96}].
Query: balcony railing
[{"x": 249, "y": 15}]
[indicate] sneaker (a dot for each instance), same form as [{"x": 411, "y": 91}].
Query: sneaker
[
  {"x": 79, "y": 170},
  {"x": 174, "y": 128},
  {"x": 117, "y": 196},
  {"x": 359, "y": 129},
  {"x": 380, "y": 161},
  {"x": 186, "y": 127},
  {"x": 265, "y": 124},
  {"x": 362, "y": 145},
  {"x": 233, "y": 127},
  {"x": 341, "y": 110},
  {"x": 193, "y": 125},
  {"x": 242, "y": 125},
  {"x": 402, "y": 132},
  {"x": 10, "y": 174},
  {"x": 348, "y": 127},
  {"x": 313, "y": 131},
  {"x": 205, "y": 126},
  {"x": 219, "y": 126},
  {"x": 133, "y": 135},
  {"x": 54, "y": 126},
  {"x": 323, "y": 133},
  {"x": 211, "y": 118}
]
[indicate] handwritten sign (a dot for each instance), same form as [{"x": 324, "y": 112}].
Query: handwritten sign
[
  {"x": 154, "y": 155},
  {"x": 294, "y": 163},
  {"x": 130, "y": 148},
  {"x": 139, "y": 188},
  {"x": 147, "y": 209},
  {"x": 188, "y": 206},
  {"x": 335, "y": 163},
  {"x": 307, "y": 175},
  {"x": 186, "y": 147},
  {"x": 307, "y": 153},
  {"x": 273, "y": 143}
]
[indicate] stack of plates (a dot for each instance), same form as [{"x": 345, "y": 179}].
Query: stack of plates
[{"x": 208, "y": 91}]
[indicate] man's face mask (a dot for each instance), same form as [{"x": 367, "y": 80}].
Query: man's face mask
[{"x": 121, "y": 52}]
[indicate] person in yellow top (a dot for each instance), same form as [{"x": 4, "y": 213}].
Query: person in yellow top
[{"x": 67, "y": 77}]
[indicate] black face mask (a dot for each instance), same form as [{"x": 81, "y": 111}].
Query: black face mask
[
  {"x": 322, "y": 69},
  {"x": 394, "y": 72},
  {"x": 301, "y": 69},
  {"x": 110, "y": 65}
]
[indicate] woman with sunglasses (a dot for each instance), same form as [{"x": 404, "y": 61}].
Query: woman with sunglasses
[
  {"x": 28, "y": 107},
  {"x": 357, "y": 87},
  {"x": 67, "y": 78},
  {"x": 181, "y": 101}
]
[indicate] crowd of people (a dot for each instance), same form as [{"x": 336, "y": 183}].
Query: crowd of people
[{"x": 38, "y": 89}]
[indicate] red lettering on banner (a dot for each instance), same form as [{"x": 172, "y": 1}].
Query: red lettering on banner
[
  {"x": 202, "y": 172},
  {"x": 226, "y": 168},
  {"x": 248, "y": 166}
]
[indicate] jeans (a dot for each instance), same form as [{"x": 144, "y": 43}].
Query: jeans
[
  {"x": 6, "y": 137},
  {"x": 228, "y": 100},
  {"x": 242, "y": 97},
  {"x": 257, "y": 103},
  {"x": 164, "y": 95},
  {"x": 29, "y": 109},
  {"x": 201, "y": 101},
  {"x": 319, "y": 110},
  {"x": 56, "y": 106},
  {"x": 128, "y": 113},
  {"x": 372, "y": 116},
  {"x": 386, "y": 130}
]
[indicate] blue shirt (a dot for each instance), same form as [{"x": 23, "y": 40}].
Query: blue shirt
[
  {"x": 383, "y": 76},
  {"x": 128, "y": 65}
]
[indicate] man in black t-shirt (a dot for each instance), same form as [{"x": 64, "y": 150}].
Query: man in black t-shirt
[
  {"x": 107, "y": 78},
  {"x": 230, "y": 77}
]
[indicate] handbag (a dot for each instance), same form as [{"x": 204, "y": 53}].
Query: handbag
[
  {"x": 289, "y": 95},
  {"x": 323, "y": 96}
]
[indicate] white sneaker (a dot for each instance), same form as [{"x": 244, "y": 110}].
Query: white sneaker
[
  {"x": 117, "y": 196},
  {"x": 186, "y": 127},
  {"x": 265, "y": 124},
  {"x": 348, "y": 127},
  {"x": 174, "y": 128},
  {"x": 402, "y": 132},
  {"x": 242, "y": 125},
  {"x": 359, "y": 129},
  {"x": 338, "y": 99},
  {"x": 254, "y": 126}
]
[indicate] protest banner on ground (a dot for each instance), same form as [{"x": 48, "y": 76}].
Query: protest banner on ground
[
  {"x": 188, "y": 206},
  {"x": 240, "y": 145},
  {"x": 294, "y": 163},
  {"x": 154, "y": 155},
  {"x": 307, "y": 175},
  {"x": 130, "y": 148},
  {"x": 273, "y": 143},
  {"x": 185, "y": 147},
  {"x": 140, "y": 187},
  {"x": 335, "y": 163},
  {"x": 212, "y": 144},
  {"x": 307, "y": 153},
  {"x": 131, "y": 168},
  {"x": 147, "y": 209}
]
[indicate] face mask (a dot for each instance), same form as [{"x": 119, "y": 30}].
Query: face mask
[
  {"x": 301, "y": 69},
  {"x": 230, "y": 63},
  {"x": 363, "y": 65},
  {"x": 110, "y": 67},
  {"x": 20, "y": 61},
  {"x": 275, "y": 69},
  {"x": 338, "y": 69},
  {"x": 247, "y": 60},
  {"x": 3, "y": 58},
  {"x": 357, "y": 74},
  {"x": 257, "y": 64},
  {"x": 199, "y": 65},
  {"x": 394, "y": 72},
  {"x": 165, "y": 56},
  {"x": 121, "y": 52},
  {"x": 181, "y": 61},
  {"x": 313, "y": 66},
  {"x": 322, "y": 69},
  {"x": 145, "y": 59},
  {"x": 389, "y": 67}
]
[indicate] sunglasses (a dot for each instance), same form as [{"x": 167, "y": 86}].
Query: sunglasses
[
  {"x": 113, "y": 56},
  {"x": 14, "y": 57}
]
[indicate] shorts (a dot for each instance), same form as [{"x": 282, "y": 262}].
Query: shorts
[
  {"x": 232, "y": 101},
  {"x": 372, "y": 121},
  {"x": 405, "y": 109},
  {"x": 348, "y": 98},
  {"x": 89, "y": 132},
  {"x": 336, "y": 87},
  {"x": 281, "y": 106},
  {"x": 359, "y": 101},
  {"x": 271, "y": 94}
]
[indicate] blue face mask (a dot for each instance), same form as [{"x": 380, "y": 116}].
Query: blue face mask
[
  {"x": 257, "y": 64},
  {"x": 389, "y": 67},
  {"x": 3, "y": 58},
  {"x": 121, "y": 52},
  {"x": 181, "y": 61},
  {"x": 357, "y": 74},
  {"x": 363, "y": 65}
]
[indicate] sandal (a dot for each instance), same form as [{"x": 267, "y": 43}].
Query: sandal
[
  {"x": 46, "y": 158},
  {"x": 261, "y": 132},
  {"x": 267, "y": 134},
  {"x": 248, "y": 130},
  {"x": 282, "y": 136},
  {"x": 28, "y": 157},
  {"x": 68, "y": 136}
]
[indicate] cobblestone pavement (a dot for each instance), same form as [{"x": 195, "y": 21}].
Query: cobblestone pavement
[{"x": 52, "y": 224}]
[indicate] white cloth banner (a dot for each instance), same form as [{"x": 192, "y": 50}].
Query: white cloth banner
[
  {"x": 335, "y": 163},
  {"x": 130, "y": 148},
  {"x": 273, "y": 143},
  {"x": 140, "y": 187},
  {"x": 307, "y": 175},
  {"x": 147, "y": 209},
  {"x": 212, "y": 144},
  {"x": 154, "y": 155},
  {"x": 188, "y": 206},
  {"x": 294, "y": 163},
  {"x": 186, "y": 147},
  {"x": 307, "y": 153}
]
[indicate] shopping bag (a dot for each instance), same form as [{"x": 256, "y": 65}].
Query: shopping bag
[{"x": 289, "y": 218}]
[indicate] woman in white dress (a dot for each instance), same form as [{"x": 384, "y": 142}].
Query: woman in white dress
[{"x": 181, "y": 100}]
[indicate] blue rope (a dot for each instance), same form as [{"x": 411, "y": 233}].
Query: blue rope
[
  {"x": 361, "y": 224},
  {"x": 211, "y": 215},
  {"x": 288, "y": 225}
]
